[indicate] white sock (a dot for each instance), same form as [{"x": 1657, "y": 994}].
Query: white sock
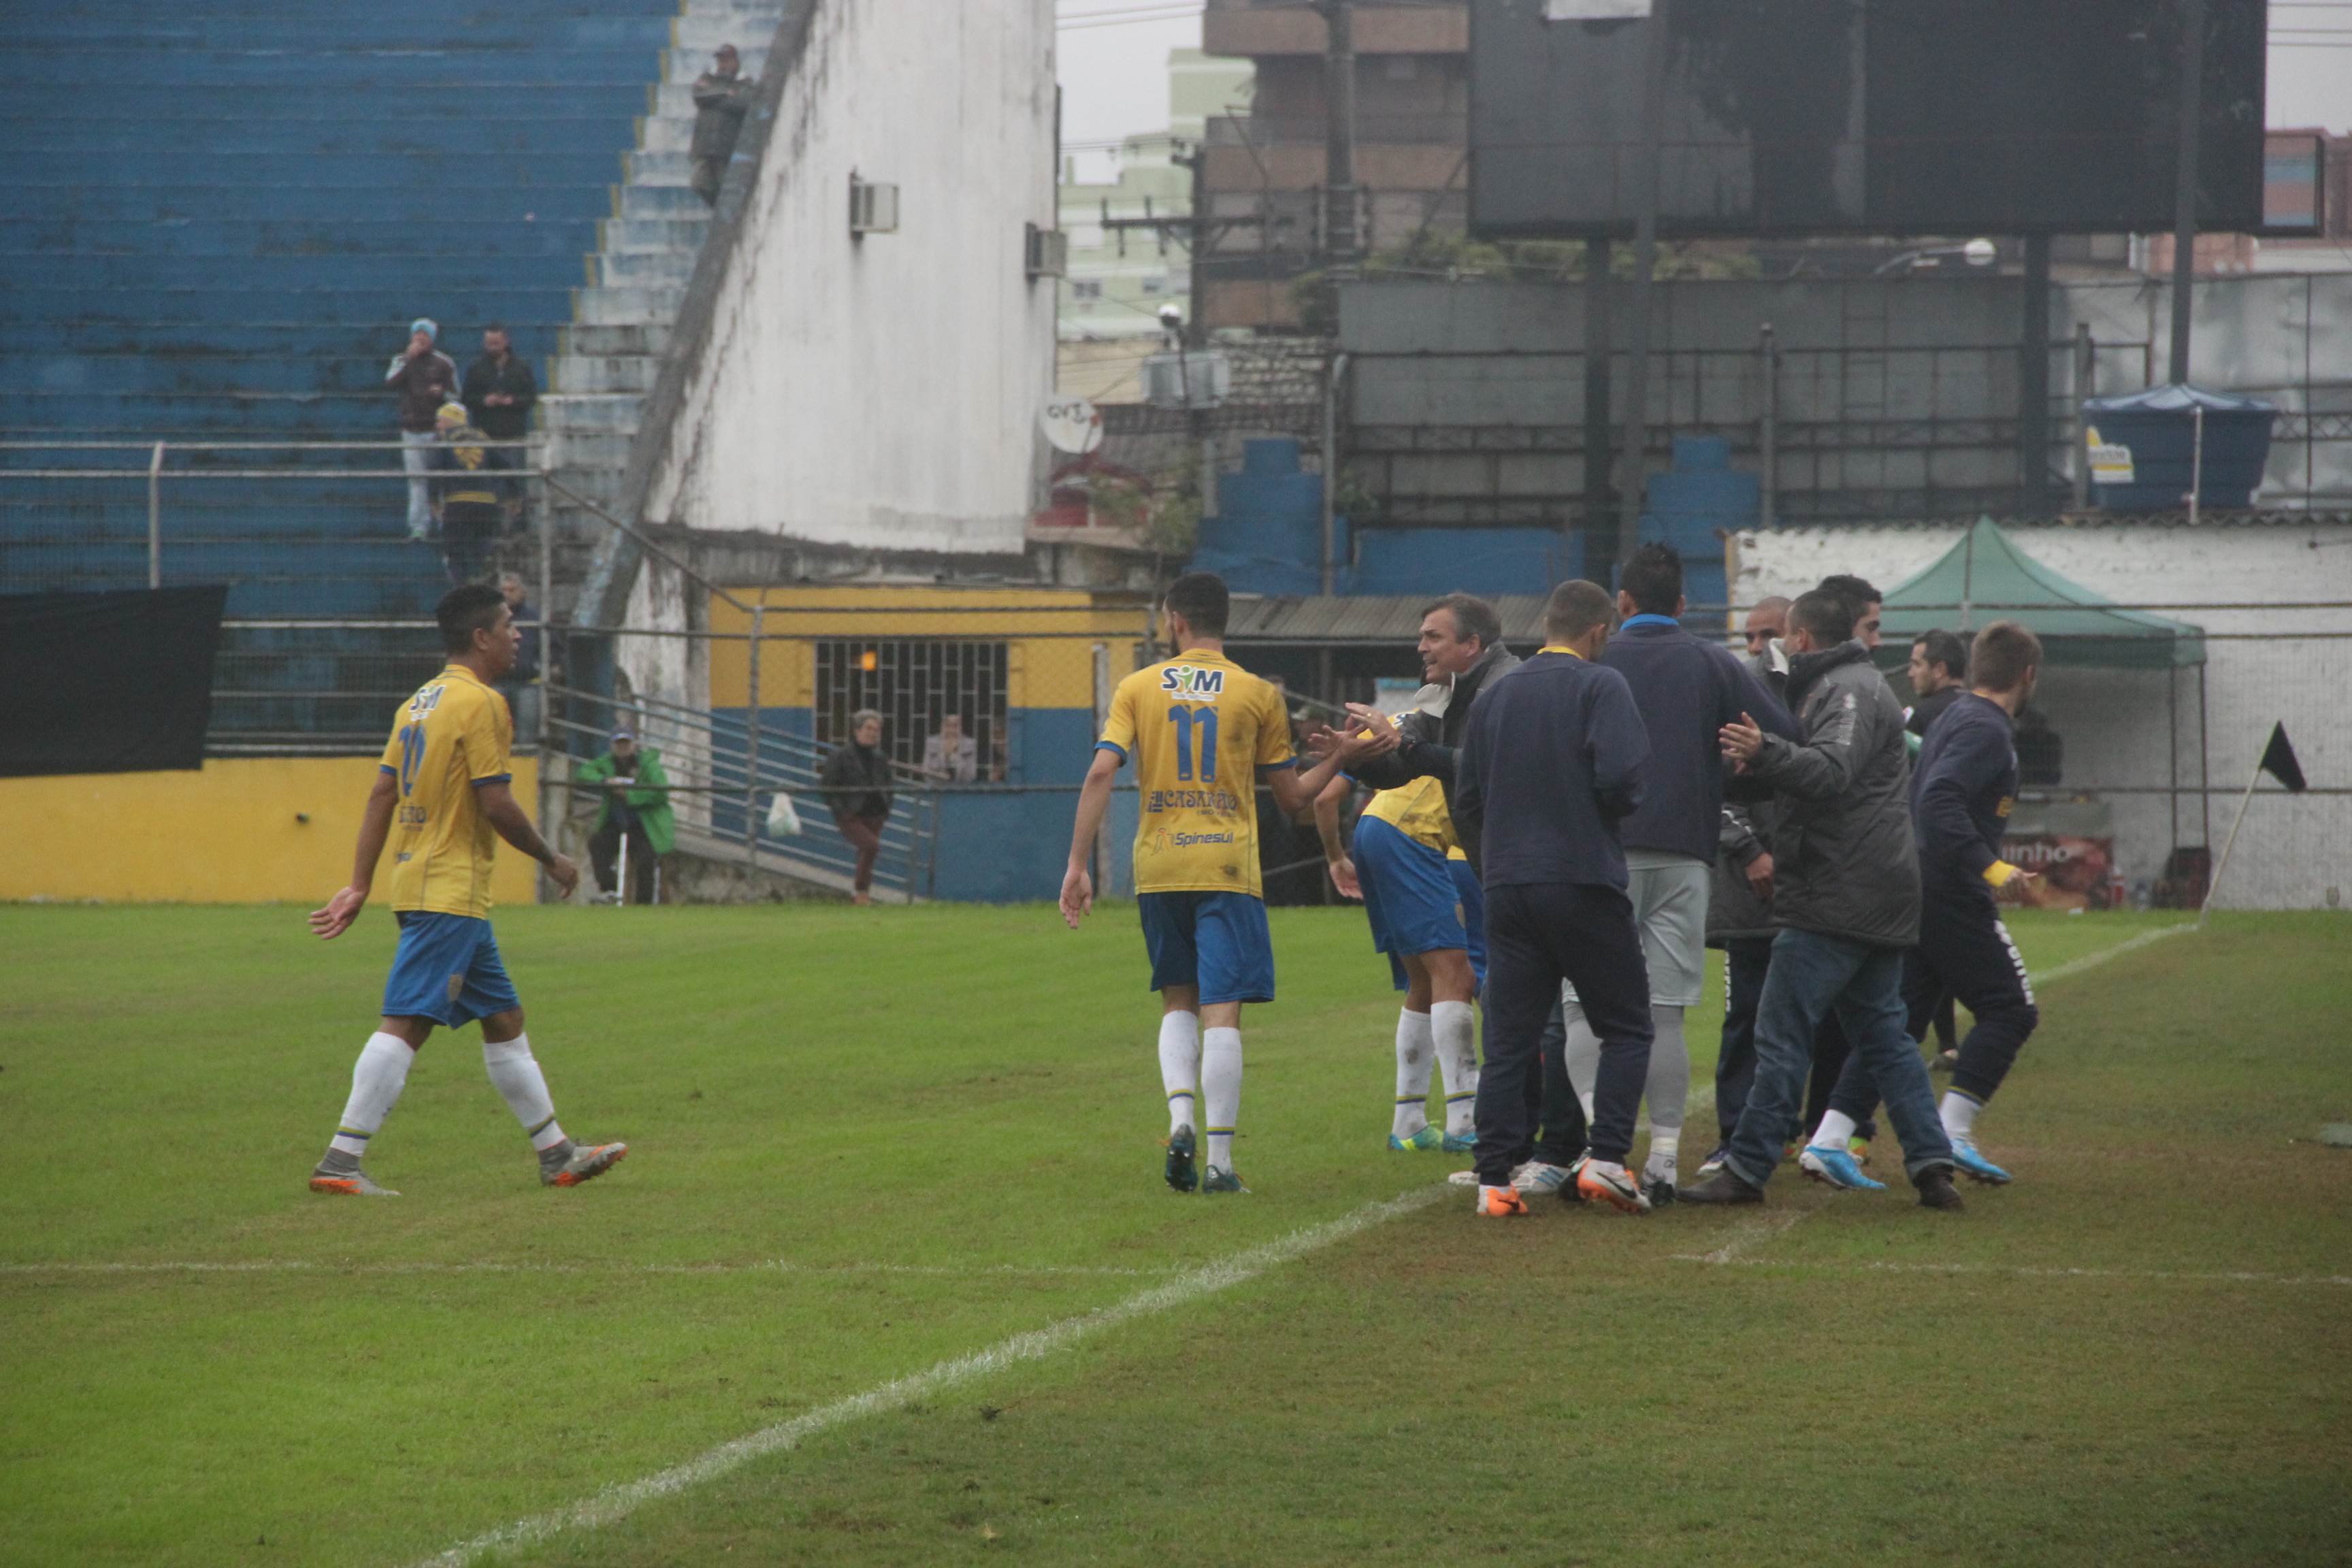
[
  {"x": 1960, "y": 1113},
  {"x": 1456, "y": 1036},
  {"x": 1180, "y": 1067},
  {"x": 514, "y": 1072},
  {"x": 377, "y": 1079},
  {"x": 1583, "y": 1051},
  {"x": 1835, "y": 1131},
  {"x": 1668, "y": 1090},
  {"x": 1221, "y": 1087},
  {"x": 1415, "y": 1057}
]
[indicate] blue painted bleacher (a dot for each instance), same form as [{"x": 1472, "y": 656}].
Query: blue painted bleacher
[{"x": 217, "y": 220}]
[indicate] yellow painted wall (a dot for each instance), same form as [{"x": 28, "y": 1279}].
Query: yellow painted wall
[
  {"x": 231, "y": 834},
  {"x": 1044, "y": 671}
]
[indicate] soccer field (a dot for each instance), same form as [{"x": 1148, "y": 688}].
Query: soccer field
[{"x": 868, "y": 1144}]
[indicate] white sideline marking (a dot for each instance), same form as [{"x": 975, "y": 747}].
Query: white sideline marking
[
  {"x": 1750, "y": 1233},
  {"x": 2130, "y": 944},
  {"x": 614, "y": 1503},
  {"x": 2231, "y": 1276},
  {"x": 763, "y": 1266}
]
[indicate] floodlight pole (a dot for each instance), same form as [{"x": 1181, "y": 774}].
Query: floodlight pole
[
  {"x": 2184, "y": 190},
  {"x": 1340, "y": 240},
  {"x": 1645, "y": 257}
]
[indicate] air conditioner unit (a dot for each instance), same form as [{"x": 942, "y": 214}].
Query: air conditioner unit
[
  {"x": 873, "y": 209},
  {"x": 1195, "y": 379},
  {"x": 1049, "y": 252}
]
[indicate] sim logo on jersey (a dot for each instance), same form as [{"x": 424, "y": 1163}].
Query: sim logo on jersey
[{"x": 1184, "y": 680}]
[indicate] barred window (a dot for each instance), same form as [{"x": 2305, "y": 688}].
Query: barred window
[{"x": 915, "y": 684}]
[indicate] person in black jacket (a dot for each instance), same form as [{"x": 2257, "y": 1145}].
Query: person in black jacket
[
  {"x": 1550, "y": 762},
  {"x": 1686, "y": 691},
  {"x": 1846, "y": 899},
  {"x": 1960, "y": 803},
  {"x": 856, "y": 783},
  {"x": 501, "y": 391},
  {"x": 722, "y": 96},
  {"x": 1939, "y": 677}
]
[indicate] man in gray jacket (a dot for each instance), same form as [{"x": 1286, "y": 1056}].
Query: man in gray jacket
[{"x": 1846, "y": 897}]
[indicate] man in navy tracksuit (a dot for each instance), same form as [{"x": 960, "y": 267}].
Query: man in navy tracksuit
[
  {"x": 1552, "y": 759},
  {"x": 1686, "y": 689},
  {"x": 1960, "y": 800}
]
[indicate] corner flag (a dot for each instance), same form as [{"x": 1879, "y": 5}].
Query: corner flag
[{"x": 2278, "y": 761}]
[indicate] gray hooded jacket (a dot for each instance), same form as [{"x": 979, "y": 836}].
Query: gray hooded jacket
[{"x": 1845, "y": 863}]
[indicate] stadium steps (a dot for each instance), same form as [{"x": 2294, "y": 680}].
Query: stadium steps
[{"x": 216, "y": 223}]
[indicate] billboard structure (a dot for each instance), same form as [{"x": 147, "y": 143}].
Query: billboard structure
[{"x": 1886, "y": 117}]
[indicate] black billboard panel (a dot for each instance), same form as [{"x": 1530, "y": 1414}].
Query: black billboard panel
[{"x": 1797, "y": 116}]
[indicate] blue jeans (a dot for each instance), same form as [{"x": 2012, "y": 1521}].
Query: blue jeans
[{"x": 1812, "y": 976}]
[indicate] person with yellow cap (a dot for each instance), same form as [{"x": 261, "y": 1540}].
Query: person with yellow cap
[{"x": 468, "y": 498}]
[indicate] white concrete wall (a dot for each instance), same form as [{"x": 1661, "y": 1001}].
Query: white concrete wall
[
  {"x": 882, "y": 392},
  {"x": 2294, "y": 851}
]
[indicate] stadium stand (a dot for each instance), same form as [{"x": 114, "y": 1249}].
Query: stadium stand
[{"x": 217, "y": 220}]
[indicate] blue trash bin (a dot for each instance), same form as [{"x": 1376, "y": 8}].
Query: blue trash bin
[{"x": 2143, "y": 447}]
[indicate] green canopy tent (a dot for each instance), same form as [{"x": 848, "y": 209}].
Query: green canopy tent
[{"x": 1986, "y": 577}]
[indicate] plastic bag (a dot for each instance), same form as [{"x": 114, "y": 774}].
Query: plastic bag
[{"x": 784, "y": 822}]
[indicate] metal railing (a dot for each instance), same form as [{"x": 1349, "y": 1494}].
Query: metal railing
[{"x": 731, "y": 775}]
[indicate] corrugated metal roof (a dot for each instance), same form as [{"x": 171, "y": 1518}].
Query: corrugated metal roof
[{"x": 1325, "y": 620}]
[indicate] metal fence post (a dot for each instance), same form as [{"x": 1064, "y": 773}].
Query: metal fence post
[
  {"x": 155, "y": 517},
  {"x": 549, "y": 824},
  {"x": 751, "y": 738}
]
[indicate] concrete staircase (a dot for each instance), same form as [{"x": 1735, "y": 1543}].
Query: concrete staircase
[{"x": 606, "y": 360}]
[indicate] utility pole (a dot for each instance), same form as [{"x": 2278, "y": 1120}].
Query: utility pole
[
  {"x": 1600, "y": 507},
  {"x": 2033, "y": 383},
  {"x": 1646, "y": 259},
  {"x": 2184, "y": 190},
  {"x": 1340, "y": 240}
]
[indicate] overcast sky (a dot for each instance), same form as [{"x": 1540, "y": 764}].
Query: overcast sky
[{"x": 1114, "y": 72}]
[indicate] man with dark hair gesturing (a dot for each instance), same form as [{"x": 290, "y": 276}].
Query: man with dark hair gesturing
[{"x": 444, "y": 779}]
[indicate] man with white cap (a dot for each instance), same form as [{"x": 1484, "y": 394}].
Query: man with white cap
[{"x": 425, "y": 378}]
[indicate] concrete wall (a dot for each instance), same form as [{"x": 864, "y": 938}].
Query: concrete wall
[
  {"x": 242, "y": 830},
  {"x": 883, "y": 391},
  {"x": 2259, "y": 671},
  {"x": 1897, "y": 398}
]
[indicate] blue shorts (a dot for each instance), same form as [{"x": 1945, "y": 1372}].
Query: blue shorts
[
  {"x": 1411, "y": 891},
  {"x": 1217, "y": 941},
  {"x": 447, "y": 969}
]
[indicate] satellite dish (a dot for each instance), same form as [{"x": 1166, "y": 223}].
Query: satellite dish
[{"x": 1071, "y": 424}]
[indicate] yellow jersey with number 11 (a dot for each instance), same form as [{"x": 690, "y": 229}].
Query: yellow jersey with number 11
[
  {"x": 1199, "y": 729},
  {"x": 451, "y": 737}
]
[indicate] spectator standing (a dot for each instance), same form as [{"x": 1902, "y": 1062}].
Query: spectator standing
[
  {"x": 501, "y": 390},
  {"x": 856, "y": 782},
  {"x": 722, "y": 96},
  {"x": 468, "y": 497},
  {"x": 424, "y": 378},
  {"x": 951, "y": 755},
  {"x": 521, "y": 686},
  {"x": 636, "y": 810}
]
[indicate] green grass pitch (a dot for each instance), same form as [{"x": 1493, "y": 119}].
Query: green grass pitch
[{"x": 868, "y": 1141}]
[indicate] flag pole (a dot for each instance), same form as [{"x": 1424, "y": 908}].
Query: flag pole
[{"x": 2213, "y": 883}]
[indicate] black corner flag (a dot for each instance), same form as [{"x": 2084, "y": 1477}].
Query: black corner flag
[{"x": 2278, "y": 761}]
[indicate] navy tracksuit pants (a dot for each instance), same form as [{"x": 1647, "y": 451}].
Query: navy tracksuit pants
[
  {"x": 1537, "y": 936},
  {"x": 1965, "y": 950}
]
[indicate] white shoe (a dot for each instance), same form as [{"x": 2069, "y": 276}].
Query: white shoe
[
  {"x": 1463, "y": 1178},
  {"x": 1536, "y": 1177}
]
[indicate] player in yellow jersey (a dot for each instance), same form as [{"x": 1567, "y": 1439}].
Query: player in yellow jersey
[
  {"x": 1423, "y": 899},
  {"x": 442, "y": 800},
  {"x": 1202, "y": 731}
]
